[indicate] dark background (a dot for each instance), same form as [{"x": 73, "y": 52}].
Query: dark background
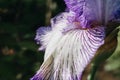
[{"x": 19, "y": 55}]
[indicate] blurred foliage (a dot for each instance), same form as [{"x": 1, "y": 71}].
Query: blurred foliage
[
  {"x": 113, "y": 63},
  {"x": 19, "y": 19}
]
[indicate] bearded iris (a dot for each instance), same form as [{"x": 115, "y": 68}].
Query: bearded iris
[{"x": 74, "y": 37}]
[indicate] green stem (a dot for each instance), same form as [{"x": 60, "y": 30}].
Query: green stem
[{"x": 93, "y": 72}]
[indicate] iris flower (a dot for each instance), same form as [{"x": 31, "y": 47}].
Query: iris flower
[{"x": 74, "y": 37}]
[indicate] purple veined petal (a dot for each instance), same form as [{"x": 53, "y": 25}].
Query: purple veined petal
[
  {"x": 83, "y": 22},
  {"x": 71, "y": 55}
]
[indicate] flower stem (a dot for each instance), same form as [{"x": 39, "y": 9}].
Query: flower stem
[{"x": 92, "y": 72}]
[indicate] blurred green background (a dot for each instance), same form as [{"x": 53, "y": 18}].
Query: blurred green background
[
  {"x": 19, "y": 55},
  {"x": 19, "y": 19}
]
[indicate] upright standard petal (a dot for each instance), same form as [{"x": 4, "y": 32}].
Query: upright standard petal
[
  {"x": 75, "y": 5},
  {"x": 94, "y": 11}
]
